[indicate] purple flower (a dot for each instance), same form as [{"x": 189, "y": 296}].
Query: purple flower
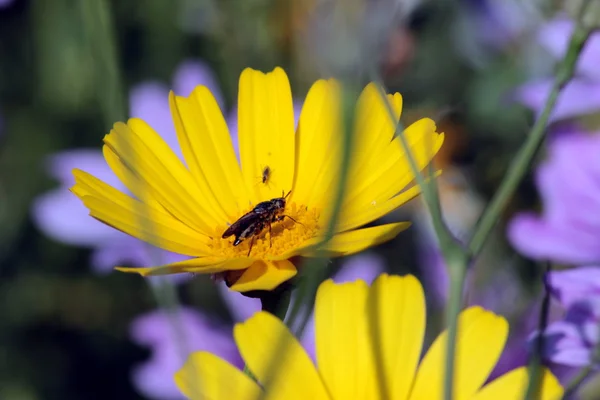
[
  {"x": 150, "y": 100},
  {"x": 62, "y": 217},
  {"x": 5, "y": 3},
  {"x": 582, "y": 95},
  {"x": 500, "y": 22},
  {"x": 154, "y": 378},
  {"x": 554, "y": 37},
  {"x": 170, "y": 343},
  {"x": 568, "y": 230},
  {"x": 571, "y": 340},
  {"x": 486, "y": 27}
]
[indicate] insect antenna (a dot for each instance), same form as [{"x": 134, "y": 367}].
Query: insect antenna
[{"x": 298, "y": 222}]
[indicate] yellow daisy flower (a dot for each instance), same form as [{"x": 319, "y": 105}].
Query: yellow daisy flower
[
  {"x": 368, "y": 346},
  {"x": 186, "y": 208}
]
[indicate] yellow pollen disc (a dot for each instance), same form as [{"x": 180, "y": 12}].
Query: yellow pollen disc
[{"x": 287, "y": 235}]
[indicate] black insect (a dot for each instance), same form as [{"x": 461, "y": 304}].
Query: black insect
[
  {"x": 266, "y": 175},
  {"x": 253, "y": 222}
]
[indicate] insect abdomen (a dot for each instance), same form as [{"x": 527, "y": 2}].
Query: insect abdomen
[{"x": 251, "y": 230}]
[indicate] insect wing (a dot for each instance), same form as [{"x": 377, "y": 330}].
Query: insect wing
[
  {"x": 241, "y": 224},
  {"x": 254, "y": 228}
]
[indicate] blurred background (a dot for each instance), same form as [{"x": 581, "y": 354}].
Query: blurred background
[{"x": 69, "y": 327}]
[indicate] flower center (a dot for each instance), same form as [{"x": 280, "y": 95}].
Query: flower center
[{"x": 297, "y": 226}]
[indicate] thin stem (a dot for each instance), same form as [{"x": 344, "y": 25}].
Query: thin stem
[
  {"x": 578, "y": 380},
  {"x": 277, "y": 302},
  {"x": 100, "y": 35},
  {"x": 457, "y": 270},
  {"x": 100, "y": 32},
  {"x": 456, "y": 258},
  {"x": 532, "y": 145},
  {"x": 584, "y": 373},
  {"x": 520, "y": 165},
  {"x": 535, "y": 363},
  {"x": 427, "y": 185},
  {"x": 316, "y": 270},
  {"x": 515, "y": 174}
]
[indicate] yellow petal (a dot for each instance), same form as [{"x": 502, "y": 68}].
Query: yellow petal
[
  {"x": 202, "y": 265},
  {"x": 266, "y": 132},
  {"x": 343, "y": 350},
  {"x": 317, "y": 143},
  {"x": 139, "y": 220},
  {"x": 396, "y": 313},
  {"x": 207, "y": 148},
  {"x": 265, "y": 275},
  {"x": 423, "y": 142},
  {"x": 347, "y": 242},
  {"x": 88, "y": 185},
  {"x": 375, "y": 210},
  {"x": 390, "y": 172},
  {"x": 276, "y": 358},
  {"x": 206, "y": 376},
  {"x": 148, "y": 156},
  {"x": 481, "y": 338},
  {"x": 131, "y": 181},
  {"x": 373, "y": 130},
  {"x": 373, "y": 126},
  {"x": 513, "y": 385},
  {"x": 361, "y": 239}
]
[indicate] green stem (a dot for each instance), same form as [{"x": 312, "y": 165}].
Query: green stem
[
  {"x": 455, "y": 256},
  {"x": 584, "y": 373},
  {"x": 457, "y": 270},
  {"x": 578, "y": 380},
  {"x": 517, "y": 170},
  {"x": 532, "y": 145},
  {"x": 100, "y": 35},
  {"x": 97, "y": 19},
  {"x": 535, "y": 363},
  {"x": 316, "y": 270},
  {"x": 277, "y": 302},
  {"x": 427, "y": 185}
]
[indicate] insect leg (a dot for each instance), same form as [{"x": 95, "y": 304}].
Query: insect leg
[{"x": 251, "y": 244}]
